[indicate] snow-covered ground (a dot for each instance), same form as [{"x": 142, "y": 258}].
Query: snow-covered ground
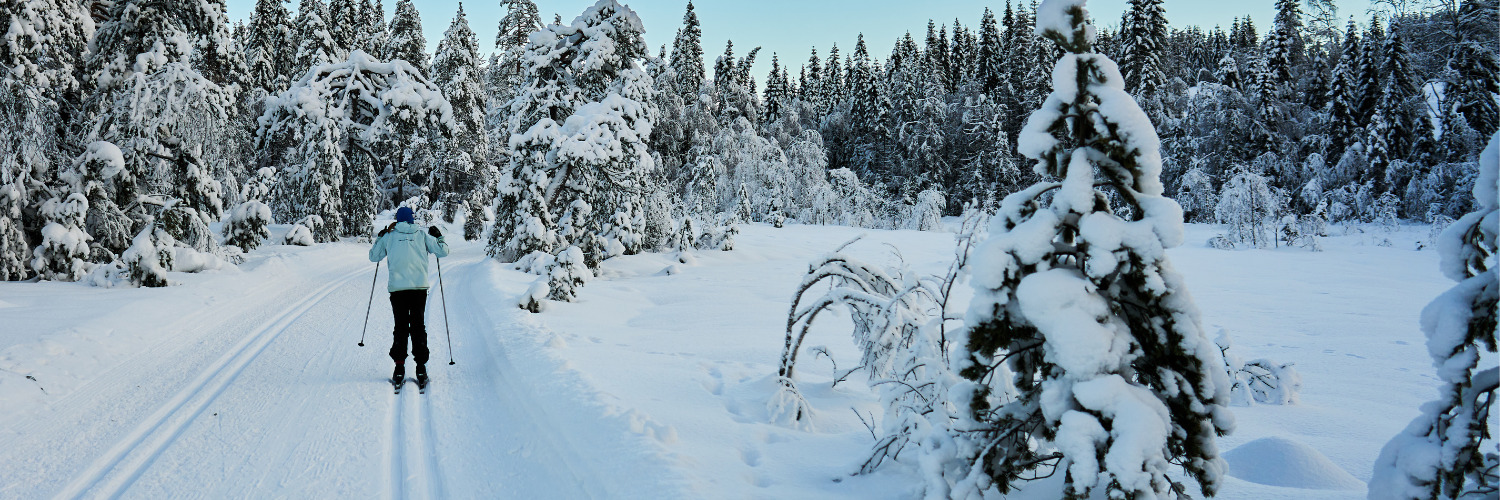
[{"x": 248, "y": 381}]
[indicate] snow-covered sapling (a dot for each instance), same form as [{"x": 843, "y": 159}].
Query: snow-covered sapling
[
  {"x": 1111, "y": 379},
  {"x": 65, "y": 247},
  {"x": 1448, "y": 452},
  {"x": 567, "y": 274},
  {"x": 247, "y": 226}
]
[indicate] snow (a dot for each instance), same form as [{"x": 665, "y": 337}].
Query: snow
[
  {"x": 1288, "y": 463},
  {"x": 650, "y": 385}
]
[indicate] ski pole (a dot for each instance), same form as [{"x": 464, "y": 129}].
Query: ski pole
[
  {"x": 446, "y": 329},
  {"x": 368, "y": 304}
]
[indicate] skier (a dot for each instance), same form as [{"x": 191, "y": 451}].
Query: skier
[{"x": 407, "y": 248}]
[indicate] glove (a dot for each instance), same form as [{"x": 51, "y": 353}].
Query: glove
[
  {"x": 433, "y": 230},
  {"x": 387, "y": 229}
]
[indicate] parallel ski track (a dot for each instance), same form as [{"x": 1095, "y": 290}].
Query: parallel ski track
[
  {"x": 412, "y": 449},
  {"x": 135, "y": 453}
]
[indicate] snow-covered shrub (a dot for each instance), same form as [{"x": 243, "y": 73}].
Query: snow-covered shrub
[
  {"x": 1260, "y": 380},
  {"x": 1447, "y": 451},
  {"x": 900, "y": 330},
  {"x": 301, "y": 233},
  {"x": 13, "y": 248},
  {"x": 149, "y": 258},
  {"x": 1384, "y": 212},
  {"x": 64, "y": 248},
  {"x": 1195, "y": 192},
  {"x": 567, "y": 274},
  {"x": 247, "y": 226},
  {"x": 927, "y": 213},
  {"x": 535, "y": 298},
  {"x": 1111, "y": 379},
  {"x": 687, "y": 234},
  {"x": 1248, "y": 208},
  {"x": 719, "y": 236}
]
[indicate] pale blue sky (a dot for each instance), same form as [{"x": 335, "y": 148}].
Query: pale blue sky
[{"x": 790, "y": 27}]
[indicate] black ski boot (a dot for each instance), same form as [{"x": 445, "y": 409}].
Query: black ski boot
[
  {"x": 422, "y": 378},
  {"x": 398, "y": 377}
]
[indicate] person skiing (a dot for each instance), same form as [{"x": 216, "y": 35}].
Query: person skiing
[{"x": 407, "y": 247}]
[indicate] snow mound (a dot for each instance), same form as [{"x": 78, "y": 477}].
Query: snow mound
[{"x": 1278, "y": 461}]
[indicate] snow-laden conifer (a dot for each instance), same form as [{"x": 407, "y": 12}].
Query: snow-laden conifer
[
  {"x": 65, "y": 247},
  {"x": 167, "y": 78},
  {"x": 464, "y": 159},
  {"x": 313, "y": 38},
  {"x": 1447, "y": 451},
  {"x": 406, "y": 42},
  {"x": 567, "y": 274},
  {"x": 1110, "y": 376},
  {"x": 687, "y": 54},
  {"x": 267, "y": 39},
  {"x": 579, "y": 128},
  {"x": 327, "y": 132}
]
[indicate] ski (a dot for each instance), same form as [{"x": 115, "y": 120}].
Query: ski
[
  {"x": 396, "y": 384},
  {"x": 421, "y": 385}
]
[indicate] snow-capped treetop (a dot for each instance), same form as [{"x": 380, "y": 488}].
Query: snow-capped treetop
[{"x": 1057, "y": 16}]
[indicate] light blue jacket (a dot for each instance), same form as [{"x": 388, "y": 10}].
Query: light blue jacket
[{"x": 406, "y": 249}]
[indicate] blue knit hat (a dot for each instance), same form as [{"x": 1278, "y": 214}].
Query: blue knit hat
[{"x": 404, "y": 214}]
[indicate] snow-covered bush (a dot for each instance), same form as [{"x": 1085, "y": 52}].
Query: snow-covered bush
[
  {"x": 927, "y": 213},
  {"x": 567, "y": 274},
  {"x": 149, "y": 258},
  {"x": 535, "y": 298},
  {"x": 1447, "y": 451},
  {"x": 247, "y": 226},
  {"x": 902, "y": 330},
  {"x": 65, "y": 247},
  {"x": 1111, "y": 379},
  {"x": 301, "y": 233},
  {"x": 1259, "y": 380},
  {"x": 13, "y": 248},
  {"x": 1248, "y": 208}
]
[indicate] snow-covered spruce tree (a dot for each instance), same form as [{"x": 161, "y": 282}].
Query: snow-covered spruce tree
[
  {"x": 464, "y": 159},
  {"x": 567, "y": 274},
  {"x": 687, "y": 55},
  {"x": 343, "y": 23},
  {"x": 1110, "y": 377},
  {"x": 266, "y": 42},
  {"x": 372, "y": 32},
  {"x": 1284, "y": 44},
  {"x": 313, "y": 39},
  {"x": 65, "y": 247},
  {"x": 99, "y": 174},
  {"x": 167, "y": 79},
  {"x": 407, "y": 42},
  {"x": 326, "y": 132},
  {"x": 579, "y": 128},
  {"x": 14, "y": 251},
  {"x": 246, "y": 227},
  {"x": 1448, "y": 452},
  {"x": 1145, "y": 34},
  {"x": 507, "y": 67}
]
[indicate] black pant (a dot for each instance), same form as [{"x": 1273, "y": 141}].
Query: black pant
[{"x": 409, "y": 307}]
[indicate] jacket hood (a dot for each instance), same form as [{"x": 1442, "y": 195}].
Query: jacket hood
[{"x": 407, "y": 227}]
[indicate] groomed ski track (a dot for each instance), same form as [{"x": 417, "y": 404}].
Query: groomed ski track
[{"x": 274, "y": 398}]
